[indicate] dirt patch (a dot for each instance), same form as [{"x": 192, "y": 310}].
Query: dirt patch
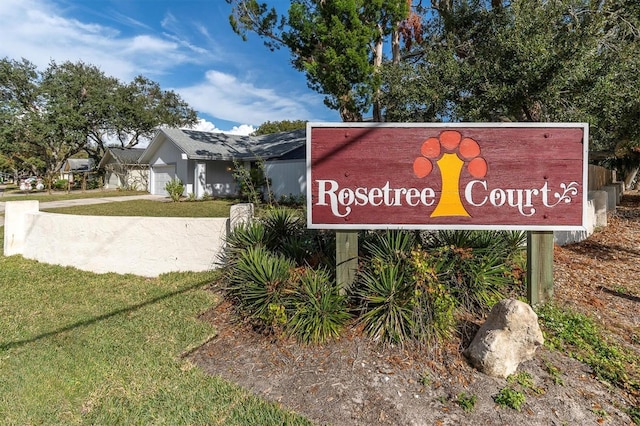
[{"x": 355, "y": 382}]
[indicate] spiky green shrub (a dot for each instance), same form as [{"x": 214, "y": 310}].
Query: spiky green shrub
[
  {"x": 261, "y": 284},
  {"x": 319, "y": 311},
  {"x": 477, "y": 265},
  {"x": 283, "y": 221},
  {"x": 389, "y": 246},
  {"x": 283, "y": 230},
  {"x": 399, "y": 294},
  {"x": 478, "y": 279},
  {"x": 506, "y": 243},
  {"x": 261, "y": 259},
  {"x": 409, "y": 293},
  {"x": 385, "y": 299},
  {"x": 244, "y": 236}
]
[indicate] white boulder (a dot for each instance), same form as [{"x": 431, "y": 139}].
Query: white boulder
[{"x": 509, "y": 336}]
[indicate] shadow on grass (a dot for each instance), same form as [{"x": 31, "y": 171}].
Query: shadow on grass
[{"x": 18, "y": 343}]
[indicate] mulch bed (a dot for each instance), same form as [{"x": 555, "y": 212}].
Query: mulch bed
[{"x": 353, "y": 381}]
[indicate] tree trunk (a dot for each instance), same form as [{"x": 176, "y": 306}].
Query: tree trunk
[
  {"x": 631, "y": 176},
  {"x": 395, "y": 47},
  {"x": 377, "y": 63}
]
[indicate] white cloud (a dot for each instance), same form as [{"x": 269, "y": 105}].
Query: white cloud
[
  {"x": 207, "y": 126},
  {"x": 39, "y": 32},
  {"x": 243, "y": 129},
  {"x": 225, "y": 96},
  {"x": 169, "y": 52}
]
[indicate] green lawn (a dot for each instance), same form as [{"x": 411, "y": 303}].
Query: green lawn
[
  {"x": 84, "y": 348},
  {"x": 217, "y": 208},
  {"x": 57, "y": 196}
]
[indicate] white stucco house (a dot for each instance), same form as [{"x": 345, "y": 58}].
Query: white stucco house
[
  {"x": 204, "y": 161},
  {"x": 122, "y": 169}
]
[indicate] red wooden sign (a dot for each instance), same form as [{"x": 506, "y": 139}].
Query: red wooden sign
[{"x": 528, "y": 176}]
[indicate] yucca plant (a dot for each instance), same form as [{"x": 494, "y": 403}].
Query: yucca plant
[
  {"x": 319, "y": 310},
  {"x": 399, "y": 294},
  {"x": 283, "y": 221},
  {"x": 261, "y": 283},
  {"x": 477, "y": 281},
  {"x": 290, "y": 236},
  {"x": 478, "y": 265},
  {"x": 455, "y": 238},
  {"x": 384, "y": 296},
  {"x": 390, "y": 246},
  {"x": 244, "y": 236},
  {"x": 514, "y": 241}
]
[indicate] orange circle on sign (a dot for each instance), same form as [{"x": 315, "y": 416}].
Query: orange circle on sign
[
  {"x": 469, "y": 148},
  {"x": 450, "y": 139},
  {"x": 431, "y": 148},
  {"x": 422, "y": 167},
  {"x": 478, "y": 167}
]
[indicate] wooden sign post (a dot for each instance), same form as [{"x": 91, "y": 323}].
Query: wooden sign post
[
  {"x": 346, "y": 258},
  {"x": 494, "y": 176},
  {"x": 539, "y": 266}
]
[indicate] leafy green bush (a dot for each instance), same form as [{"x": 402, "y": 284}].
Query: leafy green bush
[
  {"x": 174, "y": 188},
  {"x": 61, "y": 184},
  {"x": 94, "y": 182},
  {"x": 319, "y": 311},
  {"x": 292, "y": 200},
  {"x": 508, "y": 397}
]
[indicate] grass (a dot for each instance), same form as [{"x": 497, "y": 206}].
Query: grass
[
  {"x": 581, "y": 338},
  {"x": 81, "y": 348},
  {"x": 59, "y": 196},
  {"x": 216, "y": 208}
]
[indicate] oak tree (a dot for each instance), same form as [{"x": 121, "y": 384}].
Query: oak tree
[{"x": 47, "y": 117}]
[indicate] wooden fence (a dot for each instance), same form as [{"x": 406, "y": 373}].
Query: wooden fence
[{"x": 600, "y": 177}]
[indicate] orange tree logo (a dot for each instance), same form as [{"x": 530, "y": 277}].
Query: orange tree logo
[{"x": 450, "y": 152}]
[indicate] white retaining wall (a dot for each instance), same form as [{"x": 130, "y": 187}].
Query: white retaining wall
[
  {"x": 147, "y": 246},
  {"x": 598, "y": 204}
]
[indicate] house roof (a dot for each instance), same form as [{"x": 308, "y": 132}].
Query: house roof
[
  {"x": 78, "y": 165},
  {"x": 198, "y": 145},
  {"x": 121, "y": 156}
]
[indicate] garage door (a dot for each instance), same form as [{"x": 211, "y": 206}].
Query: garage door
[{"x": 160, "y": 176}]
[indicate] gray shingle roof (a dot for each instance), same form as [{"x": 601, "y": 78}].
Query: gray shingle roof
[
  {"x": 126, "y": 155},
  {"x": 200, "y": 145}
]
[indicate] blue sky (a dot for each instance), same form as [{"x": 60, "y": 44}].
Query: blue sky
[{"x": 185, "y": 45}]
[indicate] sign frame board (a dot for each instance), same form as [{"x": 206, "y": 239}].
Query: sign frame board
[{"x": 493, "y": 176}]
